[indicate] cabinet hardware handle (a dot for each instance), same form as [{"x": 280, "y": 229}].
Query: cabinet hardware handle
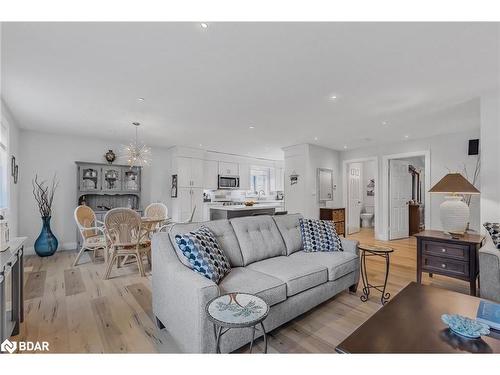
[{"x": 443, "y": 265}]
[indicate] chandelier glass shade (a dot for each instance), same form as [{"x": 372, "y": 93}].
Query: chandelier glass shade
[{"x": 137, "y": 154}]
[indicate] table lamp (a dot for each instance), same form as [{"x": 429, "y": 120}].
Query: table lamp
[{"x": 454, "y": 212}]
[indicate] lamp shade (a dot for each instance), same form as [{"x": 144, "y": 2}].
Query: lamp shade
[{"x": 454, "y": 183}]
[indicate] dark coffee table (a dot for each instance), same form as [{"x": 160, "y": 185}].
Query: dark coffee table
[{"x": 411, "y": 323}]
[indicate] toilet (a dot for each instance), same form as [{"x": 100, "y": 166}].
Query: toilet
[{"x": 367, "y": 218}]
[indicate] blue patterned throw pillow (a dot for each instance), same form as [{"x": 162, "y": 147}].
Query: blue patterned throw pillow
[
  {"x": 494, "y": 231},
  {"x": 319, "y": 235},
  {"x": 204, "y": 254}
]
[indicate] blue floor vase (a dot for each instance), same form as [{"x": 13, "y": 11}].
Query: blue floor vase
[{"x": 46, "y": 243}]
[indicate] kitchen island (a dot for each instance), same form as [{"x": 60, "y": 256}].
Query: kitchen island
[{"x": 229, "y": 212}]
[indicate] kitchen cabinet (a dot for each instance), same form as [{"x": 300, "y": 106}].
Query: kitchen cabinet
[
  {"x": 276, "y": 179},
  {"x": 187, "y": 200},
  {"x": 280, "y": 179},
  {"x": 228, "y": 169},
  {"x": 189, "y": 172},
  {"x": 210, "y": 176},
  {"x": 244, "y": 170}
]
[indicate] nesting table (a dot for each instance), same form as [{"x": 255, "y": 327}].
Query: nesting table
[
  {"x": 11, "y": 301},
  {"x": 369, "y": 251},
  {"x": 237, "y": 310}
]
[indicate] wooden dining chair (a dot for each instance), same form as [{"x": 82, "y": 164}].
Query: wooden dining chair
[
  {"x": 92, "y": 232},
  {"x": 127, "y": 238},
  {"x": 156, "y": 210}
]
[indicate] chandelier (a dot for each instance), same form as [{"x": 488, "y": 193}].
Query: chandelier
[{"x": 137, "y": 154}]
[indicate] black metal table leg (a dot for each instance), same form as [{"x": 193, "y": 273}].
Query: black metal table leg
[
  {"x": 253, "y": 338},
  {"x": 383, "y": 253},
  {"x": 217, "y": 340},
  {"x": 265, "y": 337}
]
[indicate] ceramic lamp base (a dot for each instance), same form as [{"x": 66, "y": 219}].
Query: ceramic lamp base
[{"x": 454, "y": 215}]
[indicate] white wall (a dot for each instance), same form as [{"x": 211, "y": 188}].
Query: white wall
[
  {"x": 12, "y": 149},
  {"x": 45, "y": 154},
  {"x": 305, "y": 159},
  {"x": 447, "y": 152},
  {"x": 490, "y": 158}
]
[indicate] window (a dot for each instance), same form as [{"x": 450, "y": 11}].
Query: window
[
  {"x": 259, "y": 180},
  {"x": 4, "y": 167}
]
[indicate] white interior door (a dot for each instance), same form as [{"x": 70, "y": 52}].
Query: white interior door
[
  {"x": 355, "y": 197},
  {"x": 399, "y": 196}
]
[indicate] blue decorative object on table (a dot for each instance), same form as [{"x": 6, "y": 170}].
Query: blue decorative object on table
[{"x": 464, "y": 326}]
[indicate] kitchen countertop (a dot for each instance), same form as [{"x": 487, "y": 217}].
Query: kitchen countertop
[{"x": 242, "y": 207}]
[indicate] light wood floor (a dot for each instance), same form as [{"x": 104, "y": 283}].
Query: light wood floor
[{"x": 76, "y": 311}]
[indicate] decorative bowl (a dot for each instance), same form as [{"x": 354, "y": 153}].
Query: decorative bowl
[
  {"x": 249, "y": 203},
  {"x": 464, "y": 326}
]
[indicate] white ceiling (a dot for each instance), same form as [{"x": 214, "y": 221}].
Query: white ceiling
[{"x": 207, "y": 86}]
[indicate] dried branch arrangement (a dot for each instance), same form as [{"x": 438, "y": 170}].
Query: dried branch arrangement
[
  {"x": 473, "y": 181},
  {"x": 44, "y": 194}
]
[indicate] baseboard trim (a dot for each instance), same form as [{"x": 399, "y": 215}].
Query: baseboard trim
[{"x": 30, "y": 250}]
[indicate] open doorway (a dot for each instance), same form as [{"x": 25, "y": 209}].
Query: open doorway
[
  {"x": 407, "y": 198},
  {"x": 360, "y": 191}
]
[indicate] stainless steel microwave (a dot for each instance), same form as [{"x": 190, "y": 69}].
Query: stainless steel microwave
[{"x": 229, "y": 182}]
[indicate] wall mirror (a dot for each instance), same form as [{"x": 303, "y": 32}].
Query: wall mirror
[{"x": 325, "y": 184}]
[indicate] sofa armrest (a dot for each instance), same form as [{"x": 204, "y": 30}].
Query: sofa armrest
[
  {"x": 350, "y": 246},
  {"x": 180, "y": 296},
  {"x": 489, "y": 272}
]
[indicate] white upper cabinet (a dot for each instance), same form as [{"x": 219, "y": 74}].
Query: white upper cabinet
[
  {"x": 280, "y": 179},
  {"x": 197, "y": 172},
  {"x": 210, "y": 174},
  {"x": 244, "y": 170},
  {"x": 276, "y": 179},
  {"x": 189, "y": 172},
  {"x": 228, "y": 169},
  {"x": 183, "y": 172}
]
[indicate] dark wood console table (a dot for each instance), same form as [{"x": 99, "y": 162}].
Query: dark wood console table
[
  {"x": 337, "y": 215},
  {"x": 439, "y": 253}
]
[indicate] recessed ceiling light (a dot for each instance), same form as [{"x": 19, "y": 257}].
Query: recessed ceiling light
[
  {"x": 407, "y": 136},
  {"x": 204, "y": 25},
  {"x": 315, "y": 138},
  {"x": 140, "y": 99},
  {"x": 251, "y": 127},
  {"x": 384, "y": 122},
  {"x": 201, "y": 145},
  {"x": 345, "y": 147},
  {"x": 333, "y": 97}
]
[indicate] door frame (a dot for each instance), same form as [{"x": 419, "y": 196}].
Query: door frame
[
  {"x": 385, "y": 187},
  {"x": 345, "y": 187}
]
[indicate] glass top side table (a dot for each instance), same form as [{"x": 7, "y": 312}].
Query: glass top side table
[
  {"x": 369, "y": 251},
  {"x": 237, "y": 310}
]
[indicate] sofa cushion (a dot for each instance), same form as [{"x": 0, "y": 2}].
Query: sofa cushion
[
  {"x": 338, "y": 263},
  {"x": 319, "y": 235},
  {"x": 259, "y": 238},
  {"x": 297, "y": 275},
  {"x": 204, "y": 254},
  {"x": 245, "y": 280},
  {"x": 223, "y": 232},
  {"x": 289, "y": 228}
]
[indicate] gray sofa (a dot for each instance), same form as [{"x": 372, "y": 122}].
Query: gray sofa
[
  {"x": 267, "y": 259},
  {"x": 489, "y": 270}
]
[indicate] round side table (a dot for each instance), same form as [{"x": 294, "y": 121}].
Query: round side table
[
  {"x": 237, "y": 310},
  {"x": 369, "y": 251}
]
